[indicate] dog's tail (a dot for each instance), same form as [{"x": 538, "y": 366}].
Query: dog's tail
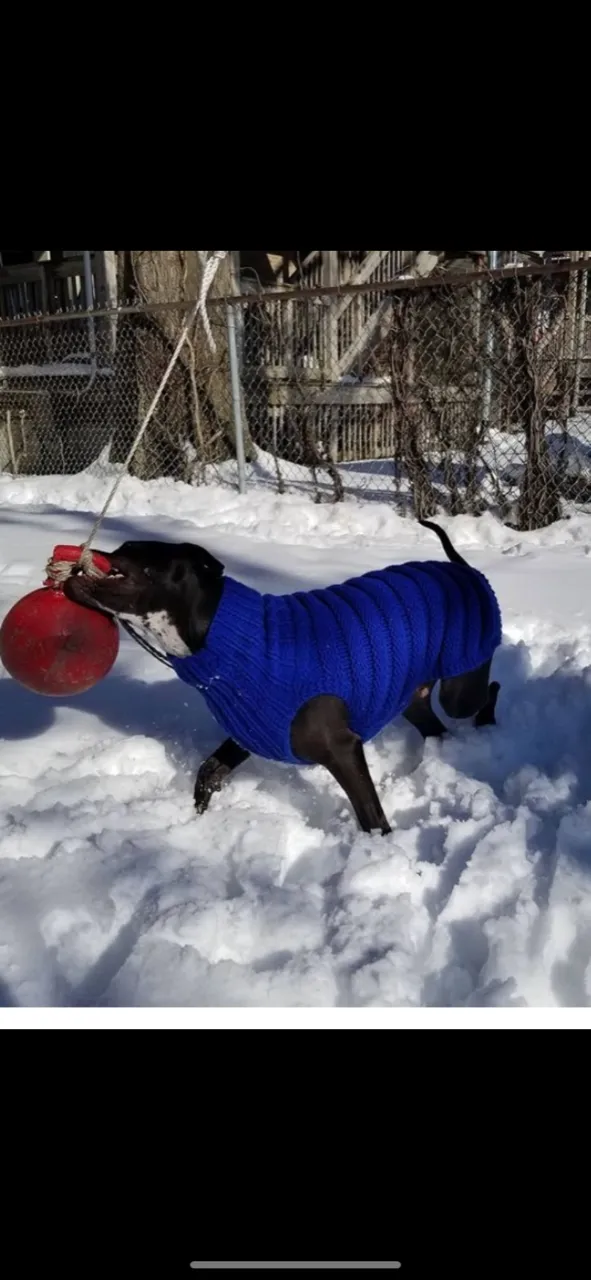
[{"x": 446, "y": 543}]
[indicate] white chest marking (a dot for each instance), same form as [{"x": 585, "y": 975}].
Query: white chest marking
[{"x": 160, "y": 626}]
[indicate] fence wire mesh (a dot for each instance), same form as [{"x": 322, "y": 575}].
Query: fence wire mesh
[
  {"x": 462, "y": 395},
  {"x": 74, "y": 389}
]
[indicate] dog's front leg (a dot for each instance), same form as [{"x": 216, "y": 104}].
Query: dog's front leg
[
  {"x": 214, "y": 771},
  {"x": 321, "y": 732}
]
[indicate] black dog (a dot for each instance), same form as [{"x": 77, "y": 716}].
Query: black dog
[{"x": 173, "y": 591}]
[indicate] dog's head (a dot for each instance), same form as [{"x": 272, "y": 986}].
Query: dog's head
[{"x": 171, "y": 589}]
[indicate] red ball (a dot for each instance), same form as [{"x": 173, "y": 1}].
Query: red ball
[{"x": 56, "y": 647}]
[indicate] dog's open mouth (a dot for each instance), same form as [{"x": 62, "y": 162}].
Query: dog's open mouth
[
  {"x": 114, "y": 573},
  {"x": 107, "y": 590}
]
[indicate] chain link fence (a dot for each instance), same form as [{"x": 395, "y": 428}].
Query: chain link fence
[
  {"x": 458, "y": 393},
  {"x": 75, "y": 388}
]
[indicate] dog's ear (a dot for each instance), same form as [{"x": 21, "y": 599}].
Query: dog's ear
[
  {"x": 201, "y": 602},
  {"x": 203, "y": 561}
]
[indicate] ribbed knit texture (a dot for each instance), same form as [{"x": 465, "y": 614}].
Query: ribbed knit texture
[{"x": 369, "y": 641}]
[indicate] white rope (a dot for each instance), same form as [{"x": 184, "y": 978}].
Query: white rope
[
  {"x": 209, "y": 272},
  {"x": 59, "y": 570}
]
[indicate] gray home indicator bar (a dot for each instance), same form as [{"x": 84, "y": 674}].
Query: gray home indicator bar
[{"x": 299, "y": 1265}]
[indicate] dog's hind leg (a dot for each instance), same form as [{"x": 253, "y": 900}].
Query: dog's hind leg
[
  {"x": 420, "y": 713},
  {"x": 466, "y": 699},
  {"x": 447, "y": 704},
  {"x": 320, "y": 732},
  {"x": 487, "y": 714},
  {"x": 214, "y": 771}
]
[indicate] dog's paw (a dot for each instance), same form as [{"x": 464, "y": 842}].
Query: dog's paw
[
  {"x": 201, "y": 799},
  {"x": 210, "y": 778}
]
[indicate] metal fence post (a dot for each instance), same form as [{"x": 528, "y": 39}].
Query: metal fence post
[
  {"x": 488, "y": 369},
  {"x": 236, "y": 397},
  {"x": 89, "y": 302}
]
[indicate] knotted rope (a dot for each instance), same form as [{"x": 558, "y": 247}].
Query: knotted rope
[{"x": 58, "y": 570}]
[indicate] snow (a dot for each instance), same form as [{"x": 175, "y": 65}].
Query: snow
[{"x": 114, "y": 894}]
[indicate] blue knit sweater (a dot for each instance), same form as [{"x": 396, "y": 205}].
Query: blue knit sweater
[{"x": 369, "y": 641}]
